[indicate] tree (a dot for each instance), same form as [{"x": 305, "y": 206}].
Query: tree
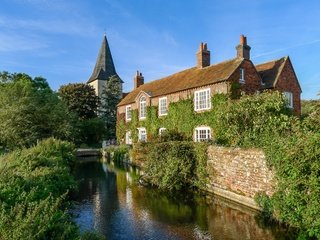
[
  {"x": 30, "y": 111},
  {"x": 111, "y": 96},
  {"x": 80, "y": 99}
]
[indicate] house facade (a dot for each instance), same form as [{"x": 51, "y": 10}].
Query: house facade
[{"x": 200, "y": 83}]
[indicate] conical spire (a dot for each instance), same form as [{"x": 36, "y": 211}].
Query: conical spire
[{"x": 104, "y": 67}]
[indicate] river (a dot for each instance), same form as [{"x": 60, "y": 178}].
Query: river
[{"x": 111, "y": 202}]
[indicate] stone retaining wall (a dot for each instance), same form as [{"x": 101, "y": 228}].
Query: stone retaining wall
[{"x": 238, "y": 174}]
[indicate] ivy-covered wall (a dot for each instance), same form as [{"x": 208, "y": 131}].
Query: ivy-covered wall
[{"x": 181, "y": 117}]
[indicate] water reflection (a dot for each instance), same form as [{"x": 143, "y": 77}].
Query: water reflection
[{"x": 111, "y": 202}]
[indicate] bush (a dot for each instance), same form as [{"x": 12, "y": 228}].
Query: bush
[
  {"x": 34, "y": 184},
  {"x": 173, "y": 166}
]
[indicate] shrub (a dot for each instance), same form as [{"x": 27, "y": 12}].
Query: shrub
[
  {"x": 175, "y": 165},
  {"x": 34, "y": 184}
]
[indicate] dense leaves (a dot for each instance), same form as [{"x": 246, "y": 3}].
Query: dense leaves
[
  {"x": 176, "y": 165},
  {"x": 34, "y": 184},
  {"x": 111, "y": 96},
  {"x": 80, "y": 99},
  {"x": 30, "y": 111}
]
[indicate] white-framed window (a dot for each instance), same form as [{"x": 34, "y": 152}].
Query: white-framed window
[
  {"x": 289, "y": 97},
  {"x": 128, "y": 138},
  {"x": 142, "y": 136},
  {"x": 142, "y": 107},
  {"x": 202, "y": 100},
  {"x": 163, "y": 109},
  {"x": 202, "y": 134},
  {"x": 161, "y": 131},
  {"x": 128, "y": 113},
  {"x": 242, "y": 80}
]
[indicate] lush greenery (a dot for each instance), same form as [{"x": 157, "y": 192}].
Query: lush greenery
[
  {"x": 111, "y": 96},
  {"x": 176, "y": 165},
  {"x": 292, "y": 146},
  {"x": 30, "y": 111},
  {"x": 82, "y": 102},
  {"x": 80, "y": 99},
  {"x": 34, "y": 184}
]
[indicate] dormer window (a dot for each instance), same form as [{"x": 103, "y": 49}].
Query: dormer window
[
  {"x": 128, "y": 113},
  {"x": 163, "y": 110},
  {"x": 142, "y": 108},
  {"x": 242, "y": 80}
]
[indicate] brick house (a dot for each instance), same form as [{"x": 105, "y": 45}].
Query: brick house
[{"x": 203, "y": 81}]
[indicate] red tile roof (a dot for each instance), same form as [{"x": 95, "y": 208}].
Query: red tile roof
[
  {"x": 270, "y": 71},
  {"x": 187, "y": 79}
]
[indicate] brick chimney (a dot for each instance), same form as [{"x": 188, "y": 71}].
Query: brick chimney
[
  {"x": 203, "y": 56},
  {"x": 243, "y": 50},
  {"x": 138, "y": 80}
]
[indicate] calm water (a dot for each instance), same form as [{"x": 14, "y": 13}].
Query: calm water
[{"x": 111, "y": 202}]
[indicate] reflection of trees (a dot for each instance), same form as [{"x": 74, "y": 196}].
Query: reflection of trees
[
  {"x": 119, "y": 204},
  {"x": 98, "y": 187}
]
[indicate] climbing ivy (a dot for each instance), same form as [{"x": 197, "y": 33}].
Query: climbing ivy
[{"x": 291, "y": 145}]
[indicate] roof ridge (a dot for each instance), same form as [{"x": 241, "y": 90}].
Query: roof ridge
[
  {"x": 274, "y": 60},
  {"x": 188, "y": 69}
]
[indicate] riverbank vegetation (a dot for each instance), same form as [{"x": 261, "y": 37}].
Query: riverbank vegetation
[
  {"x": 34, "y": 187},
  {"x": 291, "y": 144}
]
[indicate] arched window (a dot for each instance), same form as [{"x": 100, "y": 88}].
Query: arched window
[
  {"x": 202, "y": 134},
  {"x": 142, "y": 108}
]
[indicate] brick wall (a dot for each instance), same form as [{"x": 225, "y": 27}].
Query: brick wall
[
  {"x": 288, "y": 82},
  {"x": 240, "y": 171}
]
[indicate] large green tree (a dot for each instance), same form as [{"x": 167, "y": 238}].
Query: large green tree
[
  {"x": 111, "y": 96},
  {"x": 83, "y": 102},
  {"x": 30, "y": 111},
  {"x": 80, "y": 99}
]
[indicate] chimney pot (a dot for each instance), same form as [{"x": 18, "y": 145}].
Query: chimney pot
[
  {"x": 243, "y": 50},
  {"x": 203, "y": 56},
  {"x": 138, "y": 80}
]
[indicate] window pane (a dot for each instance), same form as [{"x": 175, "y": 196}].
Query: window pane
[
  {"x": 202, "y": 99},
  {"x": 163, "y": 106}
]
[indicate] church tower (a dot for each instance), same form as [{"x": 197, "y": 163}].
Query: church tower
[{"x": 103, "y": 69}]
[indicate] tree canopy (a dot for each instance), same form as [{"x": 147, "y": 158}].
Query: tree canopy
[
  {"x": 111, "y": 96},
  {"x": 30, "y": 111},
  {"x": 80, "y": 99}
]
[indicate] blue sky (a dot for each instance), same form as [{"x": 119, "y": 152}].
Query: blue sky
[{"x": 60, "y": 39}]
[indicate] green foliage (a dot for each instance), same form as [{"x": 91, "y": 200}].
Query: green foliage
[
  {"x": 90, "y": 131},
  {"x": 171, "y": 165},
  {"x": 292, "y": 147},
  {"x": 33, "y": 187},
  {"x": 81, "y": 99},
  {"x": 111, "y": 96},
  {"x": 172, "y": 135},
  {"x": 118, "y": 153},
  {"x": 30, "y": 111}
]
